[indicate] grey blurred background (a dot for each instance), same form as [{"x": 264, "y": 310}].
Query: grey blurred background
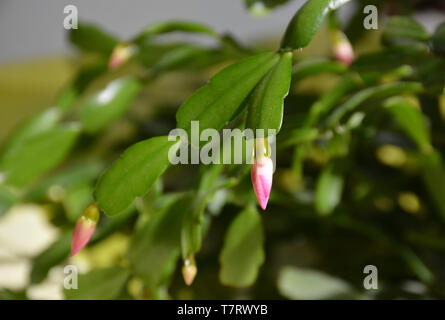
[
  {"x": 34, "y": 28},
  {"x": 30, "y": 28}
]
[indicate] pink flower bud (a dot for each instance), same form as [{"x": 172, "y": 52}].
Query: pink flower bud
[
  {"x": 343, "y": 51},
  {"x": 121, "y": 54},
  {"x": 189, "y": 270},
  {"x": 84, "y": 229},
  {"x": 262, "y": 173}
]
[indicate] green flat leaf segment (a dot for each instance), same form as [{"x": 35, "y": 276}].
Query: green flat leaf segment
[
  {"x": 216, "y": 103},
  {"x": 306, "y": 22},
  {"x": 67, "y": 98},
  {"x": 306, "y": 284},
  {"x": 433, "y": 175},
  {"x": 155, "y": 247},
  {"x": 411, "y": 120},
  {"x": 329, "y": 190},
  {"x": 37, "y": 124},
  {"x": 37, "y": 154},
  {"x": 192, "y": 227},
  {"x": 99, "y": 284},
  {"x": 243, "y": 251},
  {"x": 133, "y": 174},
  {"x": 311, "y": 67},
  {"x": 109, "y": 104},
  {"x": 438, "y": 40},
  {"x": 8, "y": 197},
  {"x": 372, "y": 92},
  {"x": 189, "y": 57},
  {"x": 402, "y": 30},
  {"x": 265, "y": 106},
  {"x": 327, "y": 101},
  {"x": 90, "y": 38},
  {"x": 175, "y": 26},
  {"x": 73, "y": 176},
  {"x": 298, "y": 136}
]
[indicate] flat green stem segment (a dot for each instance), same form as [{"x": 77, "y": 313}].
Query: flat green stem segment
[
  {"x": 403, "y": 30},
  {"x": 327, "y": 101},
  {"x": 412, "y": 121},
  {"x": 99, "y": 284},
  {"x": 329, "y": 190},
  {"x": 306, "y": 22},
  {"x": 133, "y": 174},
  {"x": 109, "y": 104},
  {"x": 438, "y": 40},
  {"x": 32, "y": 155},
  {"x": 155, "y": 246},
  {"x": 267, "y": 100},
  {"x": 90, "y": 38},
  {"x": 379, "y": 91},
  {"x": 433, "y": 176},
  {"x": 243, "y": 251},
  {"x": 312, "y": 67},
  {"x": 219, "y": 101},
  {"x": 174, "y": 26}
]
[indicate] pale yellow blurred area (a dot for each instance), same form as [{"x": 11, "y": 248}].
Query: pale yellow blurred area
[{"x": 29, "y": 86}]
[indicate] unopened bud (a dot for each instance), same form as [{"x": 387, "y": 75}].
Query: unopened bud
[
  {"x": 84, "y": 229},
  {"x": 343, "y": 51},
  {"x": 262, "y": 172},
  {"x": 121, "y": 54},
  {"x": 189, "y": 270}
]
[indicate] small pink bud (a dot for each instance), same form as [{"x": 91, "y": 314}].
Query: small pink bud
[
  {"x": 84, "y": 229},
  {"x": 121, "y": 54},
  {"x": 343, "y": 51},
  {"x": 262, "y": 173},
  {"x": 189, "y": 270}
]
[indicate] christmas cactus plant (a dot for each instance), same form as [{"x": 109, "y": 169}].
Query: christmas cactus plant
[{"x": 342, "y": 167}]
